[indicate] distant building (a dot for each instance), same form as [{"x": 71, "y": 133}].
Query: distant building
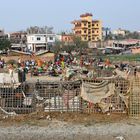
[
  {"x": 58, "y": 37},
  {"x": 18, "y": 37},
  {"x": 38, "y": 42},
  {"x": 18, "y": 40},
  {"x": 88, "y": 29},
  {"x": 3, "y": 35},
  {"x": 119, "y": 32},
  {"x": 67, "y": 39},
  {"x": 127, "y": 43}
]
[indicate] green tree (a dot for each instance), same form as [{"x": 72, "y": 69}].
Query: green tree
[
  {"x": 57, "y": 47},
  {"x": 79, "y": 44},
  {"x": 4, "y": 44}
]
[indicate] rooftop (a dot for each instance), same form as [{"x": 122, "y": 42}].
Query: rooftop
[{"x": 86, "y": 14}]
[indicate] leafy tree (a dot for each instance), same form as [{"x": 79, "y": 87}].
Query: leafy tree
[
  {"x": 57, "y": 47},
  {"x": 4, "y": 44},
  {"x": 79, "y": 44}
]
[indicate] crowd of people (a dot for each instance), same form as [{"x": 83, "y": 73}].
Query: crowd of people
[{"x": 63, "y": 66}]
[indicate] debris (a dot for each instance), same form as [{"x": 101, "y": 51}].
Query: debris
[
  {"x": 119, "y": 138},
  {"x": 48, "y": 118},
  {"x": 108, "y": 114},
  {"x": 8, "y": 113}
]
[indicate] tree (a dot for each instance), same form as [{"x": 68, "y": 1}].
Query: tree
[
  {"x": 57, "y": 47},
  {"x": 4, "y": 44},
  {"x": 79, "y": 44}
]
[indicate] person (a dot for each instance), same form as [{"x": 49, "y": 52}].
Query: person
[
  {"x": 11, "y": 73},
  {"x": 135, "y": 71},
  {"x": 19, "y": 61},
  {"x": 107, "y": 63},
  {"x": 128, "y": 72},
  {"x": 22, "y": 73}
]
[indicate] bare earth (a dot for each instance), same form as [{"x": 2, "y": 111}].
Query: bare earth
[{"x": 69, "y": 126}]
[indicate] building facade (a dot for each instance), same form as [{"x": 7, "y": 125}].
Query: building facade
[
  {"x": 68, "y": 39},
  {"x": 88, "y": 29},
  {"x": 39, "y": 42},
  {"x": 18, "y": 37},
  {"x": 119, "y": 32},
  {"x": 3, "y": 35}
]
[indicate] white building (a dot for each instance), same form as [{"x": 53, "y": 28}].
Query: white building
[
  {"x": 119, "y": 32},
  {"x": 38, "y": 42}
]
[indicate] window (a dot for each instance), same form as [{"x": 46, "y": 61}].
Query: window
[
  {"x": 38, "y": 38},
  {"x": 50, "y": 38},
  {"x": 97, "y": 25},
  {"x": 85, "y": 31}
]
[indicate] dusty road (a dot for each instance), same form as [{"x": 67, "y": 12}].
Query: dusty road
[
  {"x": 70, "y": 127},
  {"x": 64, "y": 131}
]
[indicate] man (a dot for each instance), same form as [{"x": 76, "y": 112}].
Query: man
[
  {"x": 22, "y": 73},
  {"x": 11, "y": 73}
]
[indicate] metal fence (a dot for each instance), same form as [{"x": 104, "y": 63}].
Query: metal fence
[
  {"x": 134, "y": 100},
  {"x": 114, "y": 103},
  {"x": 49, "y": 96},
  {"x": 66, "y": 97},
  {"x": 15, "y": 98},
  {"x": 60, "y": 96}
]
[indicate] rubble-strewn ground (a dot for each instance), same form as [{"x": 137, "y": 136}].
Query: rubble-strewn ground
[{"x": 69, "y": 126}]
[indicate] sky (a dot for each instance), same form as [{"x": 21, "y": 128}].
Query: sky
[{"x": 19, "y": 14}]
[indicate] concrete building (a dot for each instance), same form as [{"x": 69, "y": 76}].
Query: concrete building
[
  {"x": 68, "y": 39},
  {"x": 127, "y": 43},
  {"x": 18, "y": 40},
  {"x": 39, "y": 42},
  {"x": 3, "y": 35},
  {"x": 119, "y": 32},
  {"x": 18, "y": 37},
  {"x": 88, "y": 29}
]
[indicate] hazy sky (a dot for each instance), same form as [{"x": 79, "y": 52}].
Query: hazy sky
[{"x": 20, "y": 14}]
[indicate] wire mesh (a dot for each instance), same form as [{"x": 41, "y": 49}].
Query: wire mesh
[
  {"x": 66, "y": 97},
  {"x": 134, "y": 100}
]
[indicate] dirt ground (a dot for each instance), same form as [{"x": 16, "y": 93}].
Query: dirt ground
[
  {"x": 69, "y": 126},
  {"x": 41, "y": 78}
]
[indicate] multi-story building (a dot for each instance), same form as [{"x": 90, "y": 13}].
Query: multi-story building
[
  {"x": 38, "y": 42},
  {"x": 18, "y": 37},
  {"x": 18, "y": 40},
  {"x": 88, "y": 29}
]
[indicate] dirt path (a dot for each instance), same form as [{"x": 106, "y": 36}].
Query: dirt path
[
  {"x": 70, "y": 127},
  {"x": 65, "y": 131}
]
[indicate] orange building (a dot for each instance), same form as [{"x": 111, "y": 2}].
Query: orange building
[
  {"x": 67, "y": 38},
  {"x": 88, "y": 29}
]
